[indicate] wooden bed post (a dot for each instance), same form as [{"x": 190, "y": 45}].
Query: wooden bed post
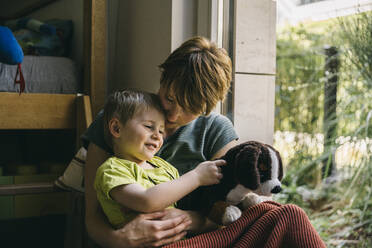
[
  {"x": 83, "y": 117},
  {"x": 95, "y": 26}
]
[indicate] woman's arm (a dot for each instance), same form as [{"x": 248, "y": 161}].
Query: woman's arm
[
  {"x": 224, "y": 149},
  {"x": 96, "y": 225},
  {"x": 136, "y": 197}
]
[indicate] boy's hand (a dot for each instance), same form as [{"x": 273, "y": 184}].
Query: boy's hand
[{"x": 209, "y": 172}]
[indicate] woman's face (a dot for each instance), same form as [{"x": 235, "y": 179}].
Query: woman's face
[{"x": 176, "y": 116}]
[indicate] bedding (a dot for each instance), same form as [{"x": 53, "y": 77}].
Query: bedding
[
  {"x": 41, "y": 43},
  {"x": 43, "y": 74}
]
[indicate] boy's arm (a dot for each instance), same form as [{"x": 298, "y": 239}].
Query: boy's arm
[{"x": 156, "y": 198}]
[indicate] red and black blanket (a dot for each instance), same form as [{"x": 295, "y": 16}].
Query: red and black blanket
[{"x": 266, "y": 225}]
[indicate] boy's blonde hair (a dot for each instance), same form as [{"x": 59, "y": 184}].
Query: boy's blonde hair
[
  {"x": 197, "y": 75},
  {"x": 124, "y": 104}
]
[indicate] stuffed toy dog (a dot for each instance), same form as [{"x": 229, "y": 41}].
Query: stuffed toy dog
[{"x": 252, "y": 173}]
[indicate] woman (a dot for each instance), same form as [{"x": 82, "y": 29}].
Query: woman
[{"x": 194, "y": 78}]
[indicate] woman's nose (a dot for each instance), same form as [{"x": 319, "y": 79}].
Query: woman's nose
[{"x": 173, "y": 113}]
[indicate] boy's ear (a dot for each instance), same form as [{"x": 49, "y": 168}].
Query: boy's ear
[{"x": 115, "y": 127}]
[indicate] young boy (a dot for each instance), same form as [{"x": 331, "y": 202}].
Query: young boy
[{"x": 134, "y": 180}]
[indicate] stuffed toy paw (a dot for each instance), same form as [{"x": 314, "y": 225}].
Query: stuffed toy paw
[
  {"x": 232, "y": 213},
  {"x": 251, "y": 199},
  {"x": 223, "y": 213}
]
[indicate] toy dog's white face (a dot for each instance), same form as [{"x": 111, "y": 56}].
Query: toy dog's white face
[
  {"x": 269, "y": 177},
  {"x": 264, "y": 179}
]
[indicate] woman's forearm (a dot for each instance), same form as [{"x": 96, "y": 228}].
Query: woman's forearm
[
  {"x": 101, "y": 232},
  {"x": 97, "y": 227}
]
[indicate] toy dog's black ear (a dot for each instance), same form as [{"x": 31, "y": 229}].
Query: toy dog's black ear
[
  {"x": 246, "y": 166},
  {"x": 280, "y": 175},
  {"x": 280, "y": 165}
]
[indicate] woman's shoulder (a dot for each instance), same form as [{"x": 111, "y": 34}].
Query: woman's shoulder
[
  {"x": 213, "y": 120},
  {"x": 212, "y": 117}
]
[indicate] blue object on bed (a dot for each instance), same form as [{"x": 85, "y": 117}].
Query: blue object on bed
[{"x": 10, "y": 51}]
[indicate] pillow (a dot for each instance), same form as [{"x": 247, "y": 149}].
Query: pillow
[
  {"x": 43, "y": 44},
  {"x": 31, "y": 24},
  {"x": 73, "y": 177}
]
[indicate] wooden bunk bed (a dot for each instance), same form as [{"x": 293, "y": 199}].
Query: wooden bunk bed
[
  {"x": 42, "y": 112},
  {"x": 49, "y": 112},
  {"x": 94, "y": 39},
  {"x": 36, "y": 111}
]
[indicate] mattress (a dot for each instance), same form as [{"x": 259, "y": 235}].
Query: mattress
[{"x": 43, "y": 74}]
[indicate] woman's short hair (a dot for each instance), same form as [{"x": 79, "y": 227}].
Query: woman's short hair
[
  {"x": 197, "y": 75},
  {"x": 124, "y": 104}
]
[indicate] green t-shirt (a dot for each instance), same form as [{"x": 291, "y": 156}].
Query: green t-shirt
[{"x": 115, "y": 172}]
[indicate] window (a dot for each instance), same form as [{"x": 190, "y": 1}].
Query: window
[{"x": 303, "y": 2}]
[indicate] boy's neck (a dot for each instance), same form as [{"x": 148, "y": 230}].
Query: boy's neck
[
  {"x": 146, "y": 165},
  {"x": 143, "y": 163}
]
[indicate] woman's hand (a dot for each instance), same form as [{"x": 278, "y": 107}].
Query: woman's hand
[
  {"x": 154, "y": 229},
  {"x": 199, "y": 223}
]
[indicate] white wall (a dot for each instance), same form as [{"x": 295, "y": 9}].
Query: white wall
[
  {"x": 72, "y": 10},
  {"x": 143, "y": 40},
  {"x": 184, "y": 21},
  {"x": 147, "y": 31},
  {"x": 255, "y": 68}
]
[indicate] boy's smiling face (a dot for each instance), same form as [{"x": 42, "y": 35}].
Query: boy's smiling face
[{"x": 141, "y": 137}]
